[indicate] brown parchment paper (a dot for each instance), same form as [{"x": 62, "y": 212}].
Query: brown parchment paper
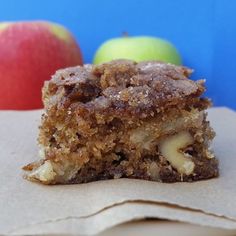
[
  {"x": 24, "y": 203},
  {"x": 123, "y": 213}
]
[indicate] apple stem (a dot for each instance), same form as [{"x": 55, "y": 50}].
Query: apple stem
[{"x": 125, "y": 34}]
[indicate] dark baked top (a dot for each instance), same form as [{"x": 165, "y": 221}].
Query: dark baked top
[{"x": 124, "y": 87}]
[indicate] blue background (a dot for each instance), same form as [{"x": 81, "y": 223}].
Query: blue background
[{"x": 204, "y": 31}]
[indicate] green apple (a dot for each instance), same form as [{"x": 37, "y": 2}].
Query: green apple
[{"x": 141, "y": 48}]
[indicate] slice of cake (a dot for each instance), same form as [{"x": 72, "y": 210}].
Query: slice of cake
[{"x": 124, "y": 119}]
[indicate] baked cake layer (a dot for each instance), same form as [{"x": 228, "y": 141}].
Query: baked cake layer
[{"x": 124, "y": 119}]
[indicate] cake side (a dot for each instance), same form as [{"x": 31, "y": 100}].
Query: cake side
[{"x": 123, "y": 119}]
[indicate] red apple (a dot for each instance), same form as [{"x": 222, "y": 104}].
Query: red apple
[{"x": 30, "y": 52}]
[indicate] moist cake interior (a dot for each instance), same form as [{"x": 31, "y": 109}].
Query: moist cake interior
[{"x": 124, "y": 119}]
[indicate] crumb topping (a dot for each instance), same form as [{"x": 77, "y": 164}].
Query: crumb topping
[{"x": 123, "y": 87}]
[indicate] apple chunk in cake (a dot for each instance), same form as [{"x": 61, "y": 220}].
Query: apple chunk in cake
[{"x": 124, "y": 119}]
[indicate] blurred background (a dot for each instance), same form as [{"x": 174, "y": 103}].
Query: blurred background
[{"x": 204, "y": 31}]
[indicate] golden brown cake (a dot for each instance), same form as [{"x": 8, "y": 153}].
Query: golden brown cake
[{"x": 124, "y": 119}]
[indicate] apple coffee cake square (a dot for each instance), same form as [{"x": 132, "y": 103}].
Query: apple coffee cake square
[{"x": 124, "y": 120}]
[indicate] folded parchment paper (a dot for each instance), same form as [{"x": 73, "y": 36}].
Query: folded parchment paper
[
  {"x": 123, "y": 213},
  {"x": 155, "y": 227},
  {"x": 23, "y": 204}
]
